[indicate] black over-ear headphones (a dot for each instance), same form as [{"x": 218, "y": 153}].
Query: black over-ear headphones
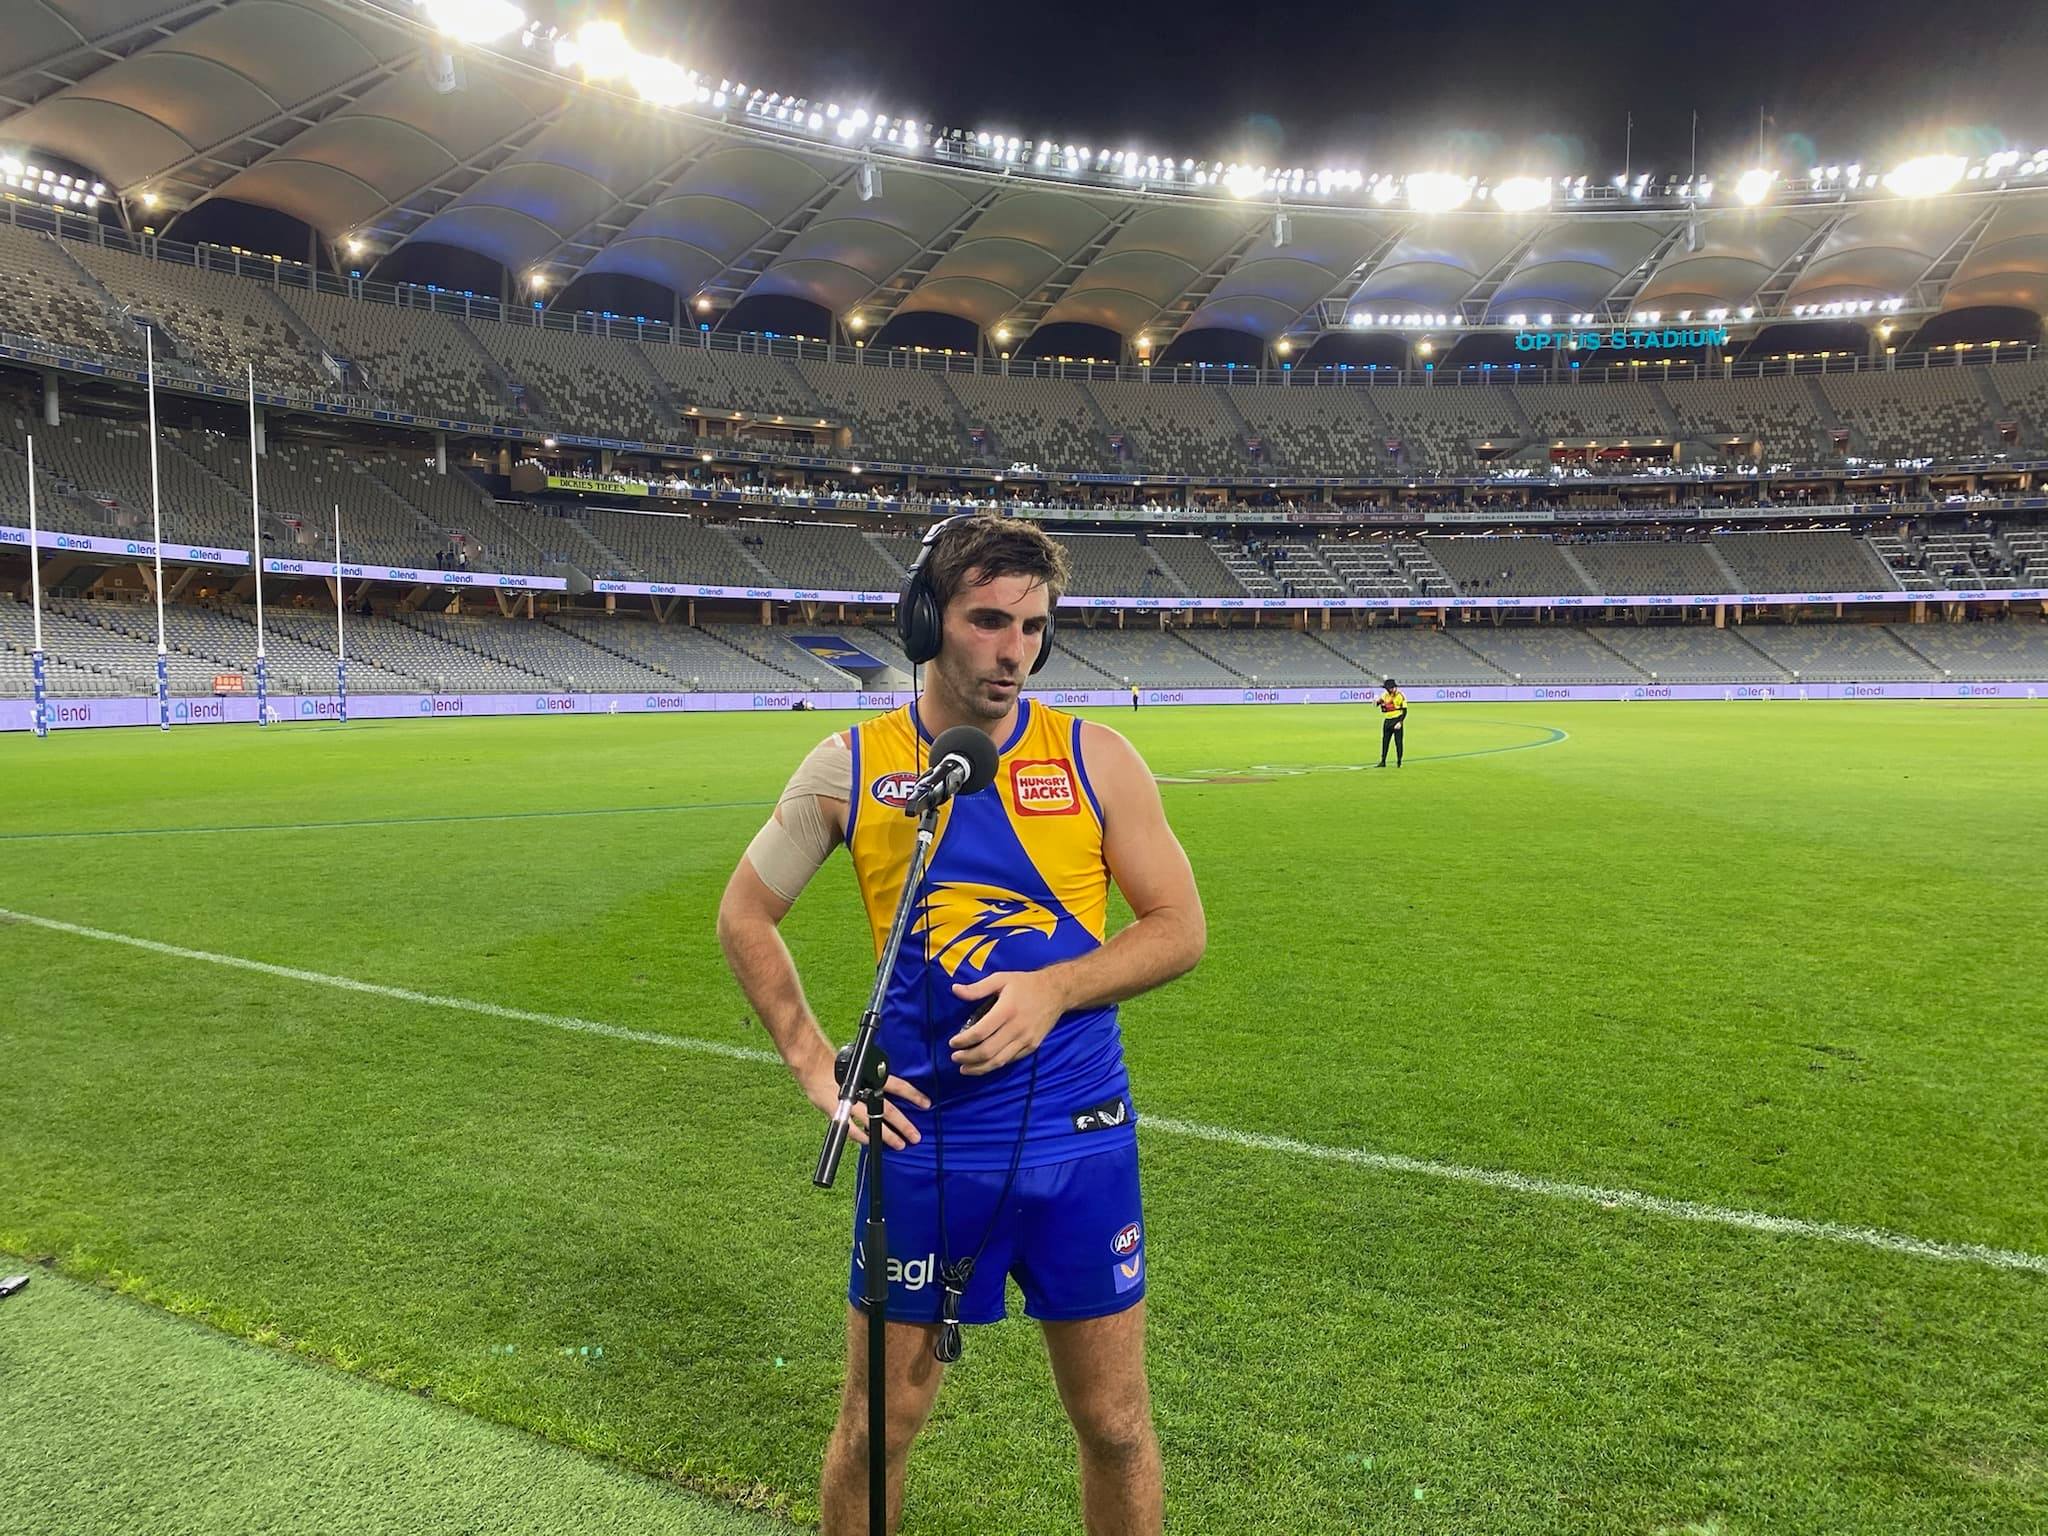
[{"x": 919, "y": 623}]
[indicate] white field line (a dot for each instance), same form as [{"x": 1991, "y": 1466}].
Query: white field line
[{"x": 1379, "y": 1162}]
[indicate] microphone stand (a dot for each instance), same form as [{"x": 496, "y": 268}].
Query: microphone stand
[{"x": 863, "y": 1072}]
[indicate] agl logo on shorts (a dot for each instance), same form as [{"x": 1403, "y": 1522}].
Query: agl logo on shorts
[
  {"x": 1043, "y": 787},
  {"x": 911, "y": 1274}
]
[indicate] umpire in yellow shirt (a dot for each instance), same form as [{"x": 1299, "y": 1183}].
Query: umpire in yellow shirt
[{"x": 1393, "y": 721}]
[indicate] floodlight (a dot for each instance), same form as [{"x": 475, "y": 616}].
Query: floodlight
[
  {"x": 475, "y": 21},
  {"x": 1927, "y": 176},
  {"x": 1522, "y": 194},
  {"x": 602, "y": 49},
  {"x": 1436, "y": 191},
  {"x": 663, "y": 82}
]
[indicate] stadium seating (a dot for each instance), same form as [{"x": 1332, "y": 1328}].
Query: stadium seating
[
  {"x": 1826, "y": 653},
  {"x": 105, "y": 465},
  {"x": 1438, "y": 427},
  {"x": 221, "y": 323},
  {"x": 301, "y": 484},
  {"x": 731, "y": 381},
  {"x": 1963, "y": 560},
  {"x": 774, "y": 649},
  {"x": 663, "y": 547},
  {"x": 1371, "y": 567},
  {"x": 1505, "y": 567},
  {"x": 1301, "y": 570},
  {"x": 54, "y": 511},
  {"x": 2029, "y": 550},
  {"x": 1811, "y": 561},
  {"x": 1913, "y": 414},
  {"x": 1176, "y": 429},
  {"x": 832, "y": 557},
  {"x": 1277, "y": 657},
  {"x": 903, "y": 415},
  {"x": 1646, "y": 566},
  {"x": 545, "y": 654},
  {"x": 1047, "y": 422},
  {"x": 1196, "y": 564},
  {"x": 1904, "y": 562},
  {"x": 1415, "y": 656},
  {"x": 1689, "y": 653},
  {"x": 1774, "y": 412},
  {"x": 1149, "y": 657},
  {"x": 43, "y": 295},
  {"x": 681, "y": 658},
  {"x": 414, "y": 358},
  {"x": 2011, "y": 650},
  {"x": 1113, "y": 565},
  {"x": 1549, "y": 653},
  {"x": 1315, "y": 430},
  {"x": 2024, "y": 389},
  {"x": 65, "y": 674},
  {"x": 1247, "y": 567},
  {"x": 1609, "y": 412},
  {"x": 572, "y": 379}
]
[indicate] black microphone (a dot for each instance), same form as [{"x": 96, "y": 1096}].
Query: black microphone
[{"x": 963, "y": 763}]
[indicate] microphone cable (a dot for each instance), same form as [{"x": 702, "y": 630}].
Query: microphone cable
[{"x": 954, "y": 1275}]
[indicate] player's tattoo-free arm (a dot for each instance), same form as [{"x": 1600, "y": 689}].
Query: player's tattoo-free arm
[{"x": 749, "y": 918}]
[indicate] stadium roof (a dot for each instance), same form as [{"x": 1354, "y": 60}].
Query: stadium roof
[{"x": 339, "y": 113}]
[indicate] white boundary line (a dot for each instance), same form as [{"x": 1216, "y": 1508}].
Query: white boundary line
[{"x": 1381, "y": 1162}]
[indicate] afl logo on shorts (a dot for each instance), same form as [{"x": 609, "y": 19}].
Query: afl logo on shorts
[
  {"x": 1043, "y": 787},
  {"x": 1125, "y": 1241},
  {"x": 894, "y": 789}
]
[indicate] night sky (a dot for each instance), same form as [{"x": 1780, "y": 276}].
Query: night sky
[{"x": 1483, "y": 85}]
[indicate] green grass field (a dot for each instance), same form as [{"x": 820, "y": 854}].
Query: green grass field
[{"x": 1783, "y": 959}]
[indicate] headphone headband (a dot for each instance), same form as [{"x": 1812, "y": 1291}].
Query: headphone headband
[{"x": 920, "y": 625}]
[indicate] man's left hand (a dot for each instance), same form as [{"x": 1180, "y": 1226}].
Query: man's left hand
[{"x": 1027, "y": 1005}]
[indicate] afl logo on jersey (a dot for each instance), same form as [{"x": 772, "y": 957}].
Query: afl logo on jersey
[
  {"x": 1043, "y": 787},
  {"x": 894, "y": 789},
  {"x": 1125, "y": 1241}
]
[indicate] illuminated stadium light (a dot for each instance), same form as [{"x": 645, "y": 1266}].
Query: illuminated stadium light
[
  {"x": 1753, "y": 186},
  {"x": 602, "y": 50},
  {"x": 475, "y": 21},
  {"x": 1927, "y": 176},
  {"x": 1243, "y": 181},
  {"x": 663, "y": 82},
  {"x": 1437, "y": 191},
  {"x": 1522, "y": 194}
]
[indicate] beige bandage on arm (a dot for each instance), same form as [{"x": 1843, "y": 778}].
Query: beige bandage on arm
[{"x": 797, "y": 839}]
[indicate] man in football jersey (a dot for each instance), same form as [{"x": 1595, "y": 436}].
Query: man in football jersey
[{"x": 1013, "y": 1148}]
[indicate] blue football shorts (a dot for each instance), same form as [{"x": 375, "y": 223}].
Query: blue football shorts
[{"x": 1071, "y": 1233}]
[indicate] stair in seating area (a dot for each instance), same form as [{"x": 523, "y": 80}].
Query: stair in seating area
[{"x": 1565, "y": 554}]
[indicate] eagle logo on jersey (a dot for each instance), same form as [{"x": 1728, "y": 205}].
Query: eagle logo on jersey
[{"x": 962, "y": 922}]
